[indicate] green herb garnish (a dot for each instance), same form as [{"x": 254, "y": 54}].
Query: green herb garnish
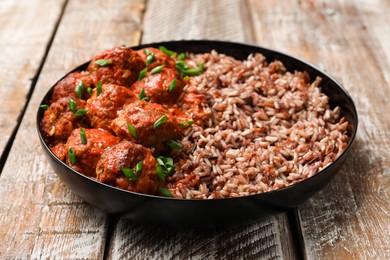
[
  {"x": 129, "y": 173},
  {"x": 160, "y": 121},
  {"x": 186, "y": 123},
  {"x": 160, "y": 173},
  {"x": 142, "y": 73},
  {"x": 181, "y": 56},
  {"x": 165, "y": 192},
  {"x": 80, "y": 112},
  {"x": 44, "y": 107},
  {"x": 103, "y": 62},
  {"x": 83, "y": 137},
  {"x": 142, "y": 95},
  {"x": 156, "y": 70},
  {"x": 172, "y": 85},
  {"x": 72, "y": 105},
  {"x": 89, "y": 90},
  {"x": 164, "y": 167},
  {"x": 80, "y": 89},
  {"x": 132, "y": 130},
  {"x": 166, "y": 51},
  {"x": 147, "y": 52},
  {"x": 138, "y": 168},
  {"x": 72, "y": 156},
  {"x": 99, "y": 88},
  {"x": 181, "y": 65},
  {"x": 174, "y": 145},
  {"x": 149, "y": 59},
  {"x": 186, "y": 71}
]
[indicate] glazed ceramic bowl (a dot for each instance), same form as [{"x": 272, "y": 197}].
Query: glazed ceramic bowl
[{"x": 213, "y": 212}]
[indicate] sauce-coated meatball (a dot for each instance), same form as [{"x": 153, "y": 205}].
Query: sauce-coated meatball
[
  {"x": 59, "y": 150},
  {"x": 88, "y": 155},
  {"x": 143, "y": 116},
  {"x": 67, "y": 86},
  {"x": 156, "y": 86},
  {"x": 127, "y": 154},
  {"x": 102, "y": 108},
  {"x": 122, "y": 69},
  {"x": 160, "y": 58},
  {"x": 191, "y": 107},
  {"x": 59, "y": 121}
]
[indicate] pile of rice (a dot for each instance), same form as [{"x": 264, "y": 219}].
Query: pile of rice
[{"x": 268, "y": 129}]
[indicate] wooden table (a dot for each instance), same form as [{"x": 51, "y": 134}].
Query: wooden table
[{"x": 42, "y": 40}]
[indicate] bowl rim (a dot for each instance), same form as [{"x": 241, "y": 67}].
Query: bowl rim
[{"x": 260, "y": 49}]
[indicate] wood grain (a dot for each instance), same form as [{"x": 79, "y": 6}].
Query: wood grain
[
  {"x": 355, "y": 221},
  {"x": 202, "y": 19},
  {"x": 39, "y": 216},
  {"x": 349, "y": 219},
  {"x": 22, "y": 50},
  {"x": 195, "y": 20},
  {"x": 267, "y": 239}
]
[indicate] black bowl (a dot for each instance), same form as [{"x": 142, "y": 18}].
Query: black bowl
[{"x": 214, "y": 212}]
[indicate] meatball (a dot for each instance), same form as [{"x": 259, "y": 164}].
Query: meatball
[
  {"x": 191, "y": 107},
  {"x": 59, "y": 121},
  {"x": 67, "y": 86},
  {"x": 143, "y": 116},
  {"x": 127, "y": 154},
  {"x": 59, "y": 150},
  {"x": 122, "y": 68},
  {"x": 87, "y": 155},
  {"x": 157, "y": 86},
  {"x": 102, "y": 108},
  {"x": 160, "y": 58}
]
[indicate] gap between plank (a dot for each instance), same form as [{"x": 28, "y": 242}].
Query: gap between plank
[
  {"x": 34, "y": 80},
  {"x": 142, "y": 21},
  {"x": 296, "y": 233},
  {"x": 112, "y": 222}
]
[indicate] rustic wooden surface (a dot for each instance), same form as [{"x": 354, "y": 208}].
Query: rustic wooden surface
[
  {"x": 22, "y": 52},
  {"x": 354, "y": 222},
  {"x": 41, "y": 218}
]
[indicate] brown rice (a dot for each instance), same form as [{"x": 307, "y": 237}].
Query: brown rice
[{"x": 269, "y": 129}]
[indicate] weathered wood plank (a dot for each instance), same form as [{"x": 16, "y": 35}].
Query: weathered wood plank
[
  {"x": 349, "y": 219},
  {"x": 179, "y": 20},
  {"x": 47, "y": 219},
  {"x": 262, "y": 240},
  {"x": 23, "y": 45},
  {"x": 267, "y": 239}
]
